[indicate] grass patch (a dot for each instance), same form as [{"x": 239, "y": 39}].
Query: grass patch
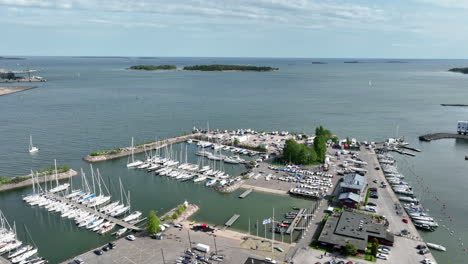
[
  {"x": 368, "y": 255},
  {"x": 367, "y": 197}
]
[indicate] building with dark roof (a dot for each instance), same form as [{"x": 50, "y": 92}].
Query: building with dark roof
[
  {"x": 353, "y": 183},
  {"x": 349, "y": 199},
  {"x": 354, "y": 228}
]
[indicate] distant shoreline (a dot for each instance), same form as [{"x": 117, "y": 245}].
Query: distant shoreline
[
  {"x": 205, "y": 68},
  {"x": 4, "y": 90}
]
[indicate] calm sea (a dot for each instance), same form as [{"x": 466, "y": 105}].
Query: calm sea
[{"x": 95, "y": 103}]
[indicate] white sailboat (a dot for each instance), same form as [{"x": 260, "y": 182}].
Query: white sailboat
[
  {"x": 32, "y": 148},
  {"x": 134, "y": 163}
]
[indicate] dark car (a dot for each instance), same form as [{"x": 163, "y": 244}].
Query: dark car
[
  {"x": 106, "y": 248},
  {"x": 79, "y": 261},
  {"x": 98, "y": 252},
  {"x": 112, "y": 245},
  {"x": 371, "y": 204}
]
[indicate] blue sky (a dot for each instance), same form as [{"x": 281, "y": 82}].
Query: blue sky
[{"x": 241, "y": 28}]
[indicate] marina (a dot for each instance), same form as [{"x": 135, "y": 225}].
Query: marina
[{"x": 96, "y": 123}]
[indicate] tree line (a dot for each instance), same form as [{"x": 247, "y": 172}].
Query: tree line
[
  {"x": 153, "y": 67},
  {"x": 220, "y": 67}
]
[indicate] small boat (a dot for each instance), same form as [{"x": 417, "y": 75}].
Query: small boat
[
  {"x": 211, "y": 182},
  {"x": 19, "y": 251},
  {"x": 32, "y": 148},
  {"x": 132, "y": 216},
  {"x": 435, "y": 246},
  {"x": 121, "y": 231},
  {"x": 189, "y": 141},
  {"x": 24, "y": 256}
]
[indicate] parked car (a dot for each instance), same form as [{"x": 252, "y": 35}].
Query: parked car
[
  {"x": 131, "y": 237},
  {"x": 269, "y": 260},
  {"x": 98, "y": 252},
  {"x": 405, "y": 220},
  {"x": 371, "y": 204},
  {"x": 382, "y": 256}
]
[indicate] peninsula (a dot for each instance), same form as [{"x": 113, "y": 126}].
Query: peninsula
[{"x": 460, "y": 70}]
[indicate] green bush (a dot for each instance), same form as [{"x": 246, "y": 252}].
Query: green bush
[
  {"x": 175, "y": 215},
  {"x": 154, "y": 224}
]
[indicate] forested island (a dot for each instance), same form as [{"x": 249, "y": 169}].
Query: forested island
[
  {"x": 460, "y": 70},
  {"x": 153, "y": 67},
  {"x": 220, "y": 67},
  {"x": 212, "y": 67}
]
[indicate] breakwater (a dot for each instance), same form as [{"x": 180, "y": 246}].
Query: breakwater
[
  {"x": 139, "y": 149},
  {"x": 4, "y": 90},
  {"x": 41, "y": 179},
  {"x": 436, "y": 136}
]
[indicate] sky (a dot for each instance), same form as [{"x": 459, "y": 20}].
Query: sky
[{"x": 236, "y": 28}]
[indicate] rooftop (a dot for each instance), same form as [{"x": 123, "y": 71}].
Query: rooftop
[
  {"x": 354, "y": 181},
  {"x": 354, "y": 228}
]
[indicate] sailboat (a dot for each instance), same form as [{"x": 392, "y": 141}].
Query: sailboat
[
  {"x": 32, "y": 148},
  {"x": 134, "y": 163}
]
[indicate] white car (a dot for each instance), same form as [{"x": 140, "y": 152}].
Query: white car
[
  {"x": 384, "y": 250},
  {"x": 269, "y": 260},
  {"x": 382, "y": 256},
  {"x": 427, "y": 261},
  {"x": 131, "y": 237}
]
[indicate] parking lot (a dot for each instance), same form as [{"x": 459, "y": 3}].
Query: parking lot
[{"x": 145, "y": 250}]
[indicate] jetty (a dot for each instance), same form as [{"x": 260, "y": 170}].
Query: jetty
[
  {"x": 296, "y": 221},
  {"x": 436, "y": 136},
  {"x": 41, "y": 179},
  {"x": 244, "y": 194},
  {"x": 232, "y": 220},
  {"x": 119, "y": 222},
  {"x": 139, "y": 149}
]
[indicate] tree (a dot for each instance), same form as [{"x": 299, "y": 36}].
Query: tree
[
  {"x": 350, "y": 249},
  {"x": 154, "y": 224},
  {"x": 348, "y": 141},
  {"x": 320, "y": 147},
  {"x": 374, "y": 248},
  {"x": 236, "y": 141}
]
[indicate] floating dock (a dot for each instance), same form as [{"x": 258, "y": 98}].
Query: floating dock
[
  {"x": 95, "y": 212},
  {"x": 411, "y": 148},
  {"x": 296, "y": 221},
  {"x": 244, "y": 194},
  {"x": 232, "y": 220}
]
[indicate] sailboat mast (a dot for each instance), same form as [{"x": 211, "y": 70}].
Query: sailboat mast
[{"x": 56, "y": 174}]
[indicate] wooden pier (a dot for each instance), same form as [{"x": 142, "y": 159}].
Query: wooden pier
[
  {"x": 296, "y": 221},
  {"x": 435, "y": 136},
  {"x": 244, "y": 194},
  {"x": 95, "y": 212},
  {"x": 232, "y": 220}
]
